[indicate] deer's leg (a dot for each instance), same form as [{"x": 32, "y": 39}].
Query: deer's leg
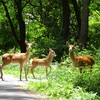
[
  {"x": 32, "y": 72},
  {"x": 91, "y": 69},
  {"x": 20, "y": 73},
  {"x": 46, "y": 71},
  {"x": 28, "y": 69},
  {"x": 81, "y": 70},
  {"x": 1, "y": 73},
  {"x": 25, "y": 73},
  {"x": 50, "y": 69}
]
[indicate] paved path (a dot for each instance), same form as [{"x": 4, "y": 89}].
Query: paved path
[{"x": 11, "y": 89}]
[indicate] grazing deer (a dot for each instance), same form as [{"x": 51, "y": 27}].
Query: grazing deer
[
  {"x": 21, "y": 59},
  {"x": 42, "y": 62},
  {"x": 80, "y": 61}
]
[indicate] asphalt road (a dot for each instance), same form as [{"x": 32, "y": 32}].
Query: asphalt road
[{"x": 12, "y": 89}]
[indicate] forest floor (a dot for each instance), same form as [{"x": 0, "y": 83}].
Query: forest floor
[{"x": 13, "y": 89}]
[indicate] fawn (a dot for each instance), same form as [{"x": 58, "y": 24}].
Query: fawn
[{"x": 42, "y": 62}]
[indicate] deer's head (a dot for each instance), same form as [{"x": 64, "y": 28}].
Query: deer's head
[
  {"x": 71, "y": 47},
  {"x": 29, "y": 45},
  {"x": 52, "y": 52}
]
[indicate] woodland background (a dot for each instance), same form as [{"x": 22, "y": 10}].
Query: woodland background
[{"x": 50, "y": 23}]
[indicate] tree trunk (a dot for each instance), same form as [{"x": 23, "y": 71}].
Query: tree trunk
[
  {"x": 65, "y": 20},
  {"x": 22, "y": 31},
  {"x": 78, "y": 16},
  {"x": 84, "y": 23},
  {"x": 21, "y": 22},
  {"x": 65, "y": 26},
  {"x": 21, "y": 26},
  {"x": 10, "y": 22}
]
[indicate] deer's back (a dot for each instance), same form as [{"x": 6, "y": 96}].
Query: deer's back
[
  {"x": 14, "y": 58},
  {"x": 39, "y": 62},
  {"x": 84, "y": 60}
]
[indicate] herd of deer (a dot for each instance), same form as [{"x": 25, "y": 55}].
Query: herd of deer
[{"x": 22, "y": 59}]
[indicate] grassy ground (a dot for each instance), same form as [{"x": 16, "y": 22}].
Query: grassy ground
[{"x": 64, "y": 82}]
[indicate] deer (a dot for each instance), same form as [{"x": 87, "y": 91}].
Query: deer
[
  {"x": 35, "y": 62},
  {"x": 80, "y": 61},
  {"x": 20, "y": 58}
]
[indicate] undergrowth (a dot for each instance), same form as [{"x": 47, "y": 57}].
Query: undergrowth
[{"x": 65, "y": 82}]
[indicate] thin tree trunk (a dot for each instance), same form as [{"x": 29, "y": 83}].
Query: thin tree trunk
[
  {"x": 10, "y": 22},
  {"x": 20, "y": 41},
  {"x": 21, "y": 26}
]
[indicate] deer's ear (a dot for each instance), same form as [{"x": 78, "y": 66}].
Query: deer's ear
[
  {"x": 26, "y": 42},
  {"x": 33, "y": 42},
  {"x": 67, "y": 43},
  {"x": 50, "y": 49}
]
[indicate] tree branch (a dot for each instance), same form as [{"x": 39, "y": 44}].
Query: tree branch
[{"x": 10, "y": 22}]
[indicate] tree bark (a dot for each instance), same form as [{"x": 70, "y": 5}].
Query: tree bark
[
  {"x": 10, "y": 22},
  {"x": 65, "y": 25},
  {"x": 21, "y": 22},
  {"x": 84, "y": 23},
  {"x": 65, "y": 20},
  {"x": 21, "y": 26},
  {"x": 78, "y": 16}
]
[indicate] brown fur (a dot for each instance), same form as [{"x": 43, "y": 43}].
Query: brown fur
[
  {"x": 80, "y": 61},
  {"x": 20, "y": 59},
  {"x": 42, "y": 62}
]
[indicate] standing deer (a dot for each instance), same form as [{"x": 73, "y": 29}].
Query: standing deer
[
  {"x": 21, "y": 59},
  {"x": 42, "y": 62},
  {"x": 80, "y": 61}
]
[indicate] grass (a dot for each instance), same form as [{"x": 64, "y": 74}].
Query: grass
[
  {"x": 67, "y": 83},
  {"x": 64, "y": 82}
]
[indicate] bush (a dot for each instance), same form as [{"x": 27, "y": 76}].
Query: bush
[{"x": 91, "y": 83}]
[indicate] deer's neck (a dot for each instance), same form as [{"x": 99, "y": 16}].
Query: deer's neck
[
  {"x": 50, "y": 57},
  {"x": 73, "y": 59},
  {"x": 27, "y": 53}
]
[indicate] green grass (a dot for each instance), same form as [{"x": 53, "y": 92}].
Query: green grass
[
  {"x": 12, "y": 69},
  {"x": 64, "y": 82},
  {"x": 67, "y": 83}
]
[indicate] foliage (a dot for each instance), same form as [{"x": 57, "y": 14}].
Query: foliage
[
  {"x": 64, "y": 81},
  {"x": 44, "y": 25},
  {"x": 64, "y": 84},
  {"x": 94, "y": 5},
  {"x": 94, "y": 29}
]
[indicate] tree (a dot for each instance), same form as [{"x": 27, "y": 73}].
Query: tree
[
  {"x": 65, "y": 20},
  {"x": 20, "y": 40},
  {"x": 78, "y": 16},
  {"x": 84, "y": 23},
  {"x": 21, "y": 25}
]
